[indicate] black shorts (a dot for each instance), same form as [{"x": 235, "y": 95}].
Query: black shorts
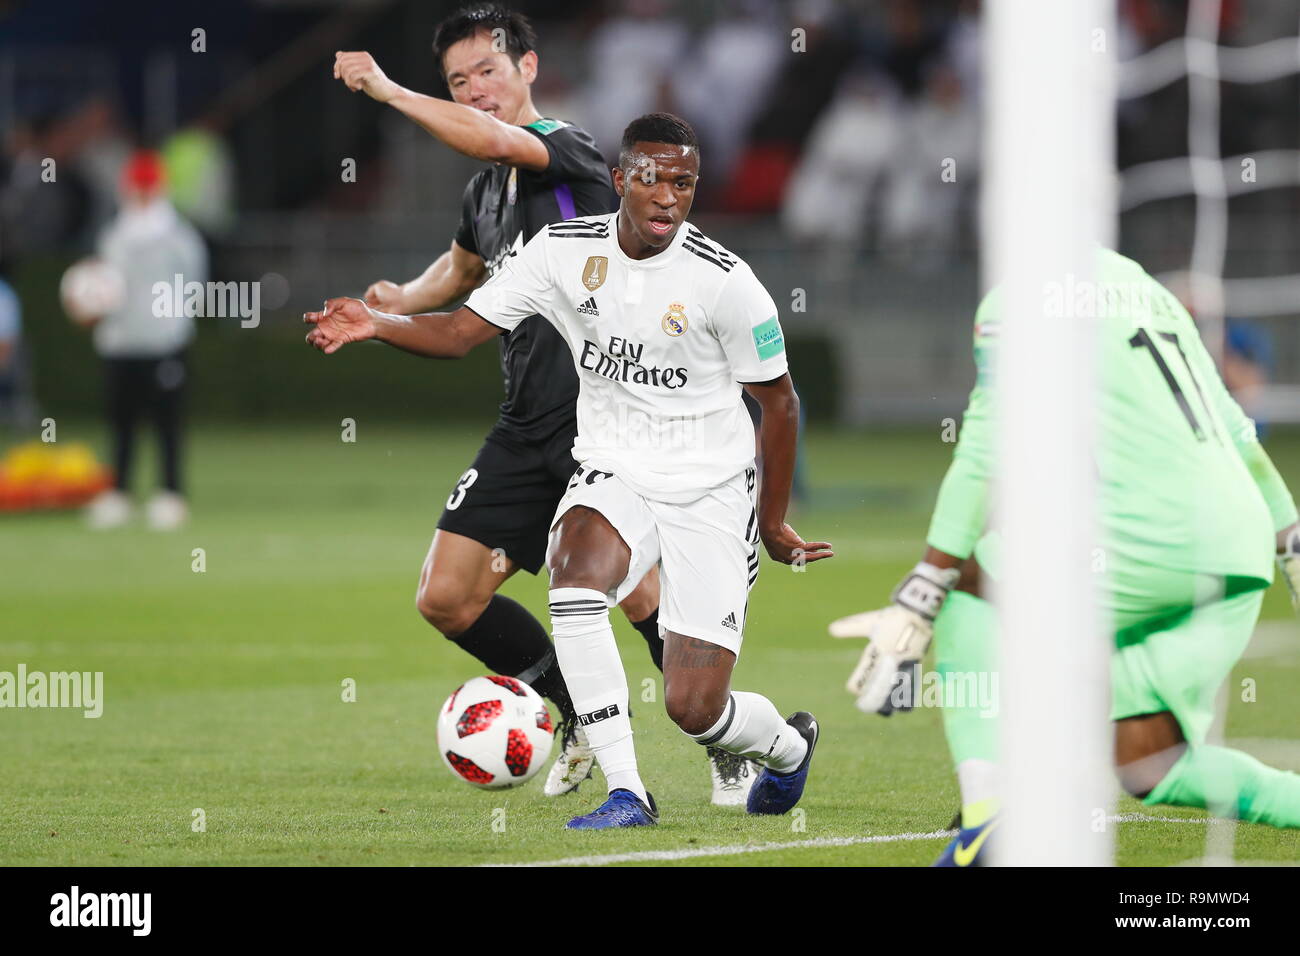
[{"x": 507, "y": 497}]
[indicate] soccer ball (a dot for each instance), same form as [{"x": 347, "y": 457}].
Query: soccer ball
[
  {"x": 494, "y": 732},
  {"x": 90, "y": 289}
]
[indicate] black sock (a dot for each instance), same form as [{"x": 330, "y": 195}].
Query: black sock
[
  {"x": 649, "y": 629},
  {"x": 510, "y": 641}
]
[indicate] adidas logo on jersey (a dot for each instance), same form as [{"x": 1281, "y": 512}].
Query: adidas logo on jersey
[
  {"x": 730, "y": 621},
  {"x": 589, "y": 307}
]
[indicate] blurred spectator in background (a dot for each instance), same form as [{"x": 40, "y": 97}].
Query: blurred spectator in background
[
  {"x": 732, "y": 69},
  {"x": 144, "y": 352},
  {"x": 1248, "y": 365},
  {"x": 932, "y": 174},
  {"x": 1248, "y": 352},
  {"x": 103, "y": 147},
  {"x": 633, "y": 57},
  {"x": 911, "y": 42},
  {"x": 964, "y": 49},
  {"x": 893, "y": 159},
  {"x": 828, "y": 43},
  {"x": 13, "y": 393},
  {"x": 201, "y": 177},
  {"x": 45, "y": 202},
  {"x": 839, "y": 176}
]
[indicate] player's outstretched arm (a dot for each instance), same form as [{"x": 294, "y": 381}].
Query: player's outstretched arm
[
  {"x": 433, "y": 335},
  {"x": 463, "y": 128},
  {"x": 899, "y": 634},
  {"x": 778, "y": 438},
  {"x": 455, "y": 274}
]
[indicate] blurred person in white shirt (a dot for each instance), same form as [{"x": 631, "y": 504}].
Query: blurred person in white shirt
[
  {"x": 835, "y": 188},
  {"x": 144, "y": 353},
  {"x": 932, "y": 175}
]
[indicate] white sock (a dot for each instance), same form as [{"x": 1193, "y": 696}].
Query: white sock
[
  {"x": 977, "y": 780},
  {"x": 593, "y": 672},
  {"x": 751, "y": 726}
]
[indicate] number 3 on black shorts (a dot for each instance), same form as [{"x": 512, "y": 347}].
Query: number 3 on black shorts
[{"x": 458, "y": 493}]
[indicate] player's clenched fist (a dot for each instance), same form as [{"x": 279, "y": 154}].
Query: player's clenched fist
[
  {"x": 341, "y": 321},
  {"x": 360, "y": 72},
  {"x": 785, "y": 545},
  {"x": 386, "y": 297}
]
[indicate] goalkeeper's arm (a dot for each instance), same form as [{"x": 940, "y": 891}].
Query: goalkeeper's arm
[{"x": 900, "y": 633}]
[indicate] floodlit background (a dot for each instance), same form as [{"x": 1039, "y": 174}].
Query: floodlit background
[{"x": 849, "y": 172}]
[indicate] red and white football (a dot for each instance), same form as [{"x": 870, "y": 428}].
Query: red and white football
[{"x": 494, "y": 732}]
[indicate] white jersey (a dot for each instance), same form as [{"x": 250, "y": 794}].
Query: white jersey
[
  {"x": 661, "y": 346},
  {"x": 149, "y": 245}
]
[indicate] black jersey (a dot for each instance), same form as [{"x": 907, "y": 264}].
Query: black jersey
[{"x": 503, "y": 208}]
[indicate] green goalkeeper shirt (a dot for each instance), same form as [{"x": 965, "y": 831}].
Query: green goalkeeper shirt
[{"x": 1183, "y": 483}]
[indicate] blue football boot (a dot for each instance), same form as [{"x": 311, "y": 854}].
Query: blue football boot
[
  {"x": 969, "y": 847},
  {"x": 622, "y": 809},
  {"x": 775, "y": 793}
]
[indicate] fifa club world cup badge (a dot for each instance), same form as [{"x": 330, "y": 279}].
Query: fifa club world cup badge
[
  {"x": 594, "y": 272},
  {"x": 512, "y": 186},
  {"x": 674, "y": 321}
]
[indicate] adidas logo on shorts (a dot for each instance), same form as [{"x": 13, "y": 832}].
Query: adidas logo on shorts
[
  {"x": 730, "y": 621},
  {"x": 588, "y": 307}
]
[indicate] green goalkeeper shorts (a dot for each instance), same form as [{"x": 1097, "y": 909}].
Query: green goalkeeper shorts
[{"x": 1177, "y": 637}]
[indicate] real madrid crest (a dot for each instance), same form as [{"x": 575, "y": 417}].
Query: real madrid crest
[
  {"x": 593, "y": 273},
  {"x": 512, "y": 186},
  {"x": 674, "y": 320}
]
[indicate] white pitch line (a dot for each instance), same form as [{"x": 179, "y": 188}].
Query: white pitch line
[{"x": 650, "y": 856}]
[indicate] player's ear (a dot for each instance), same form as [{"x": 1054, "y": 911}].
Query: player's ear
[
  {"x": 528, "y": 66},
  {"x": 617, "y": 173}
]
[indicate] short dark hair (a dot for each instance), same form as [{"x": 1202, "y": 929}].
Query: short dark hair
[
  {"x": 656, "y": 128},
  {"x": 516, "y": 32}
]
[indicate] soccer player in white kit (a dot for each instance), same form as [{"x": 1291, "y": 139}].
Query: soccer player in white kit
[{"x": 666, "y": 328}]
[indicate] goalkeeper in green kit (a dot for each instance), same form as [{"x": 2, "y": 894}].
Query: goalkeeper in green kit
[{"x": 1192, "y": 516}]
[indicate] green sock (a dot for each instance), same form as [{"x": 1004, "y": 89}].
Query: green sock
[
  {"x": 1230, "y": 783},
  {"x": 965, "y": 657}
]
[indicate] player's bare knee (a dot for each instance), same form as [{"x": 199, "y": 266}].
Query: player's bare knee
[
  {"x": 644, "y": 599},
  {"x": 1139, "y": 777},
  {"x": 642, "y": 602},
  {"x": 1146, "y": 748},
  {"x": 693, "y": 709},
  {"x": 447, "y": 608}
]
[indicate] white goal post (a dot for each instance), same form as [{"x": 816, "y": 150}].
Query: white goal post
[{"x": 1049, "y": 199}]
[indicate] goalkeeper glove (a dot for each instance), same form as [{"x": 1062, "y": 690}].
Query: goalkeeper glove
[
  {"x": 1289, "y": 563},
  {"x": 885, "y": 677}
]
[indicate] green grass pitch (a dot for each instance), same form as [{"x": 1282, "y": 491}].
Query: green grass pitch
[{"x": 223, "y": 689}]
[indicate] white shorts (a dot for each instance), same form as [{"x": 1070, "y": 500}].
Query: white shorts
[{"x": 707, "y": 551}]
